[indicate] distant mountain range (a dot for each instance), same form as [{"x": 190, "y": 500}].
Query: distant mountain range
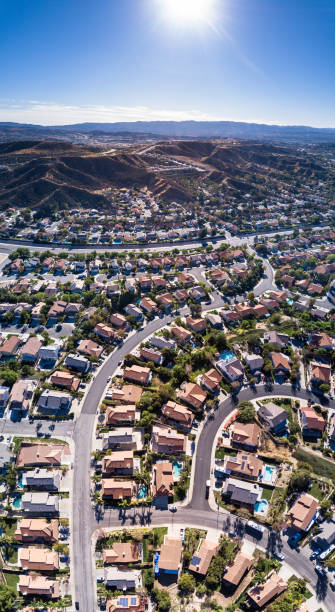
[{"x": 171, "y": 129}]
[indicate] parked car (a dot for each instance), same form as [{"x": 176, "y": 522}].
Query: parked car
[{"x": 278, "y": 555}]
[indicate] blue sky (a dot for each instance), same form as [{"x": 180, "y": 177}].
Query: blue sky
[{"x": 66, "y": 61}]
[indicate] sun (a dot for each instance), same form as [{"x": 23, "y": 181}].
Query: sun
[{"x": 187, "y": 12}]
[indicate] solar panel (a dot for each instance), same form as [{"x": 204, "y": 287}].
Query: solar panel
[{"x": 195, "y": 560}]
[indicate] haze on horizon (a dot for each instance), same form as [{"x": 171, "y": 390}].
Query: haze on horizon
[{"x": 139, "y": 60}]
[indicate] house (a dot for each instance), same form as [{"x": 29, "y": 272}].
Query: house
[
  {"x": 38, "y": 559},
  {"x": 30, "y": 351},
  {"x": 133, "y": 311},
  {"x": 192, "y": 394},
  {"x": 320, "y": 373},
  {"x": 235, "y": 572},
  {"x": 315, "y": 289},
  {"x": 122, "y": 552},
  {"x": 312, "y": 424},
  {"x": 181, "y": 295},
  {"x": 304, "y": 512},
  {"x": 54, "y": 401},
  {"x": 122, "y": 579},
  {"x": 181, "y": 334},
  {"x": 116, "y": 415},
  {"x": 261, "y": 594},
  {"x": 105, "y": 332},
  {"x": 90, "y": 348},
  {"x": 21, "y": 395},
  {"x": 65, "y": 379},
  {"x": 321, "y": 340},
  {"x": 148, "y": 305},
  {"x": 138, "y": 374},
  {"x": 278, "y": 340},
  {"x": 241, "y": 493},
  {"x": 230, "y": 316},
  {"x": 77, "y": 362},
  {"x": 119, "y": 321},
  {"x": 128, "y": 394},
  {"x": 162, "y": 343},
  {"x": 77, "y": 286},
  {"x": 50, "y": 290},
  {"x": 246, "y": 436},
  {"x": 57, "y": 309},
  {"x": 50, "y": 353},
  {"x": 149, "y": 354},
  {"x": 178, "y": 414},
  {"x": 166, "y": 440},
  {"x": 244, "y": 465},
  {"x": 41, "y": 478},
  {"x": 10, "y": 347},
  {"x": 214, "y": 320},
  {"x": 36, "y": 313},
  {"x": 118, "y": 462},
  {"x": 162, "y": 483},
  {"x": 170, "y": 557},
  {"x": 38, "y": 585},
  {"x": 211, "y": 380},
  {"x": 278, "y": 296},
  {"x": 281, "y": 364},
  {"x": 231, "y": 368},
  {"x": 41, "y": 454},
  {"x": 36, "y": 530},
  {"x": 117, "y": 489},
  {"x": 4, "y": 396},
  {"x": 198, "y": 326},
  {"x": 122, "y": 438},
  {"x": 255, "y": 362},
  {"x": 273, "y": 416},
  {"x": 202, "y": 558},
  {"x": 72, "y": 309},
  {"x": 127, "y": 604},
  {"x": 40, "y": 503},
  {"x": 166, "y": 300}
]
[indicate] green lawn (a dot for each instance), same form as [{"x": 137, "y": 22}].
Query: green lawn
[
  {"x": 222, "y": 452},
  {"x": 160, "y": 533},
  {"x": 8, "y": 526},
  {"x": 316, "y": 491},
  {"x": 320, "y": 466},
  {"x": 12, "y": 554},
  {"x": 11, "y": 579},
  {"x": 267, "y": 494}
]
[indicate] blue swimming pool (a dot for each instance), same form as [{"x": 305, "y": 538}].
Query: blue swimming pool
[
  {"x": 19, "y": 482},
  {"x": 226, "y": 355},
  {"x": 268, "y": 473},
  {"x": 17, "y": 502},
  {"x": 176, "y": 469},
  {"x": 261, "y": 507},
  {"x": 142, "y": 492}
]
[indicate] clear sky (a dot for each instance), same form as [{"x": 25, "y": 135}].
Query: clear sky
[{"x": 66, "y": 61}]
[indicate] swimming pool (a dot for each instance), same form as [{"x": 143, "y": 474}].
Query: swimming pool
[
  {"x": 19, "y": 482},
  {"x": 226, "y": 355},
  {"x": 261, "y": 507},
  {"x": 268, "y": 473},
  {"x": 17, "y": 502},
  {"x": 142, "y": 492},
  {"x": 176, "y": 469}
]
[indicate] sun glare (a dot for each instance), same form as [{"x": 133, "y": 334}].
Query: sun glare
[{"x": 187, "y": 12}]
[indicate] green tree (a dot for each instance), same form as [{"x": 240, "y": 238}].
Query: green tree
[
  {"x": 186, "y": 584},
  {"x": 246, "y": 412},
  {"x": 162, "y": 599},
  {"x": 7, "y": 598}
]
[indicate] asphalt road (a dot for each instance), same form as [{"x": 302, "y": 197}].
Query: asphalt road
[{"x": 84, "y": 521}]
